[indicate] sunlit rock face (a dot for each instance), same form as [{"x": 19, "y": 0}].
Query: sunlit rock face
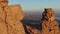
[
  {"x": 10, "y": 18},
  {"x": 48, "y": 14},
  {"x": 3, "y": 28},
  {"x": 3, "y": 25},
  {"x": 49, "y": 24},
  {"x": 13, "y": 19}
]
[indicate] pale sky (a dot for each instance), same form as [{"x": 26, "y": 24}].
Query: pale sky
[{"x": 36, "y": 4}]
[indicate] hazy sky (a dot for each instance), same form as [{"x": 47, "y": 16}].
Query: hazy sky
[{"x": 36, "y": 4}]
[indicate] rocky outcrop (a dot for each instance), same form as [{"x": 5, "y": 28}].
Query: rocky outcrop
[
  {"x": 31, "y": 30},
  {"x": 10, "y": 18},
  {"x": 49, "y": 24},
  {"x": 13, "y": 18},
  {"x": 48, "y": 14},
  {"x": 3, "y": 25}
]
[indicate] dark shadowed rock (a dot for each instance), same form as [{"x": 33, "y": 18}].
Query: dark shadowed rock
[{"x": 31, "y": 30}]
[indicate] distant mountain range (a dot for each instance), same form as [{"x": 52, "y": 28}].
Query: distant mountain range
[{"x": 37, "y": 15}]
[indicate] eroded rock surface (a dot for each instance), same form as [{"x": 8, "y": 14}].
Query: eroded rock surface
[
  {"x": 13, "y": 19},
  {"x": 3, "y": 26},
  {"x": 49, "y": 24},
  {"x": 10, "y": 18}
]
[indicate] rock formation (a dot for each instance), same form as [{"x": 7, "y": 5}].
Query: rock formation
[
  {"x": 49, "y": 24},
  {"x": 10, "y": 18},
  {"x": 3, "y": 25},
  {"x": 31, "y": 30}
]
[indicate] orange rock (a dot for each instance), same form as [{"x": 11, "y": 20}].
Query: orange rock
[
  {"x": 48, "y": 14},
  {"x": 15, "y": 12},
  {"x": 3, "y": 27},
  {"x": 3, "y": 4},
  {"x": 50, "y": 27},
  {"x": 49, "y": 24},
  {"x": 10, "y": 18},
  {"x": 4, "y": 0},
  {"x": 13, "y": 19}
]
